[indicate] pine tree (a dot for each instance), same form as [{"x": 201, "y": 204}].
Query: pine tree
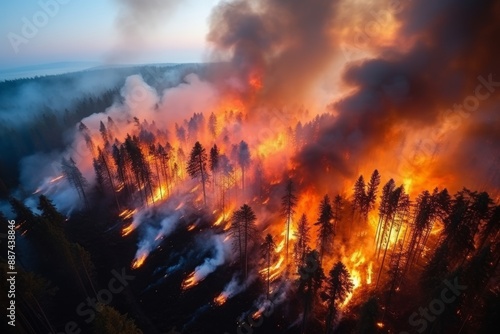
[
  {"x": 242, "y": 230},
  {"x": 268, "y": 248},
  {"x": 311, "y": 278},
  {"x": 140, "y": 167},
  {"x": 359, "y": 199},
  {"x": 326, "y": 228},
  {"x": 214, "y": 163},
  {"x": 288, "y": 205},
  {"x": 243, "y": 160},
  {"x": 384, "y": 211},
  {"x": 303, "y": 238},
  {"x": 371, "y": 193},
  {"x": 339, "y": 285},
  {"x": 50, "y": 213},
  {"x": 197, "y": 167},
  {"x": 75, "y": 178}
]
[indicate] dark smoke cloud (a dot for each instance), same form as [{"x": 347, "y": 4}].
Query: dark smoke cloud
[
  {"x": 448, "y": 45},
  {"x": 287, "y": 43}
]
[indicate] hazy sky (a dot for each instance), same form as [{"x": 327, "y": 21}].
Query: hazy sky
[{"x": 78, "y": 30}]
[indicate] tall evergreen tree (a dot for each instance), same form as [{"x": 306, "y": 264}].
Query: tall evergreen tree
[
  {"x": 243, "y": 230},
  {"x": 288, "y": 205},
  {"x": 243, "y": 160},
  {"x": 371, "y": 193},
  {"x": 359, "y": 199},
  {"x": 197, "y": 167},
  {"x": 75, "y": 178},
  {"x": 303, "y": 238},
  {"x": 325, "y": 227},
  {"x": 339, "y": 285},
  {"x": 310, "y": 281},
  {"x": 268, "y": 248}
]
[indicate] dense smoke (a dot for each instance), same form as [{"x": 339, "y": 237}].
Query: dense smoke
[
  {"x": 278, "y": 47},
  {"x": 413, "y": 85},
  {"x": 414, "y": 60}
]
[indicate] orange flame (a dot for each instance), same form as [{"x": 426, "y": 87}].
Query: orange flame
[
  {"x": 189, "y": 282},
  {"x": 139, "y": 261}
]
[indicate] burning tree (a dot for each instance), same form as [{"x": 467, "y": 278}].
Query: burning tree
[
  {"x": 243, "y": 229},
  {"x": 288, "y": 205},
  {"x": 339, "y": 285},
  {"x": 371, "y": 193},
  {"x": 311, "y": 277},
  {"x": 326, "y": 228},
  {"x": 268, "y": 248},
  {"x": 243, "y": 160},
  {"x": 303, "y": 238},
  {"x": 197, "y": 167}
]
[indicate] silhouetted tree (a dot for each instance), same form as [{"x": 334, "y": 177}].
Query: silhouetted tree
[
  {"x": 339, "y": 285},
  {"x": 359, "y": 199},
  {"x": 311, "y": 277},
  {"x": 197, "y": 167},
  {"x": 326, "y": 228},
  {"x": 303, "y": 238},
  {"x": 75, "y": 178},
  {"x": 214, "y": 163},
  {"x": 243, "y": 160},
  {"x": 268, "y": 248},
  {"x": 371, "y": 193},
  {"x": 243, "y": 229},
  {"x": 383, "y": 210},
  {"x": 288, "y": 205}
]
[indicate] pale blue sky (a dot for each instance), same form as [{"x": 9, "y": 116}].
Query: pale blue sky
[{"x": 85, "y": 30}]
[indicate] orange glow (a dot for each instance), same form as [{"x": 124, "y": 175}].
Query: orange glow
[
  {"x": 189, "y": 282},
  {"x": 127, "y": 213},
  {"x": 220, "y": 300},
  {"x": 127, "y": 230},
  {"x": 139, "y": 261}
]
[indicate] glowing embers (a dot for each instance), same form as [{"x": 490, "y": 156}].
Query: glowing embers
[
  {"x": 190, "y": 281},
  {"x": 139, "y": 261},
  {"x": 127, "y": 213},
  {"x": 220, "y": 299}
]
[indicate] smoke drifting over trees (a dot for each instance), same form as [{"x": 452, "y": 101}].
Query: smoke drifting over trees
[{"x": 282, "y": 185}]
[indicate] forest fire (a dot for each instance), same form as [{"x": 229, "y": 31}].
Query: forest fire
[
  {"x": 190, "y": 281},
  {"x": 139, "y": 261},
  {"x": 220, "y": 299},
  {"x": 127, "y": 230},
  {"x": 252, "y": 170},
  {"x": 127, "y": 213}
]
